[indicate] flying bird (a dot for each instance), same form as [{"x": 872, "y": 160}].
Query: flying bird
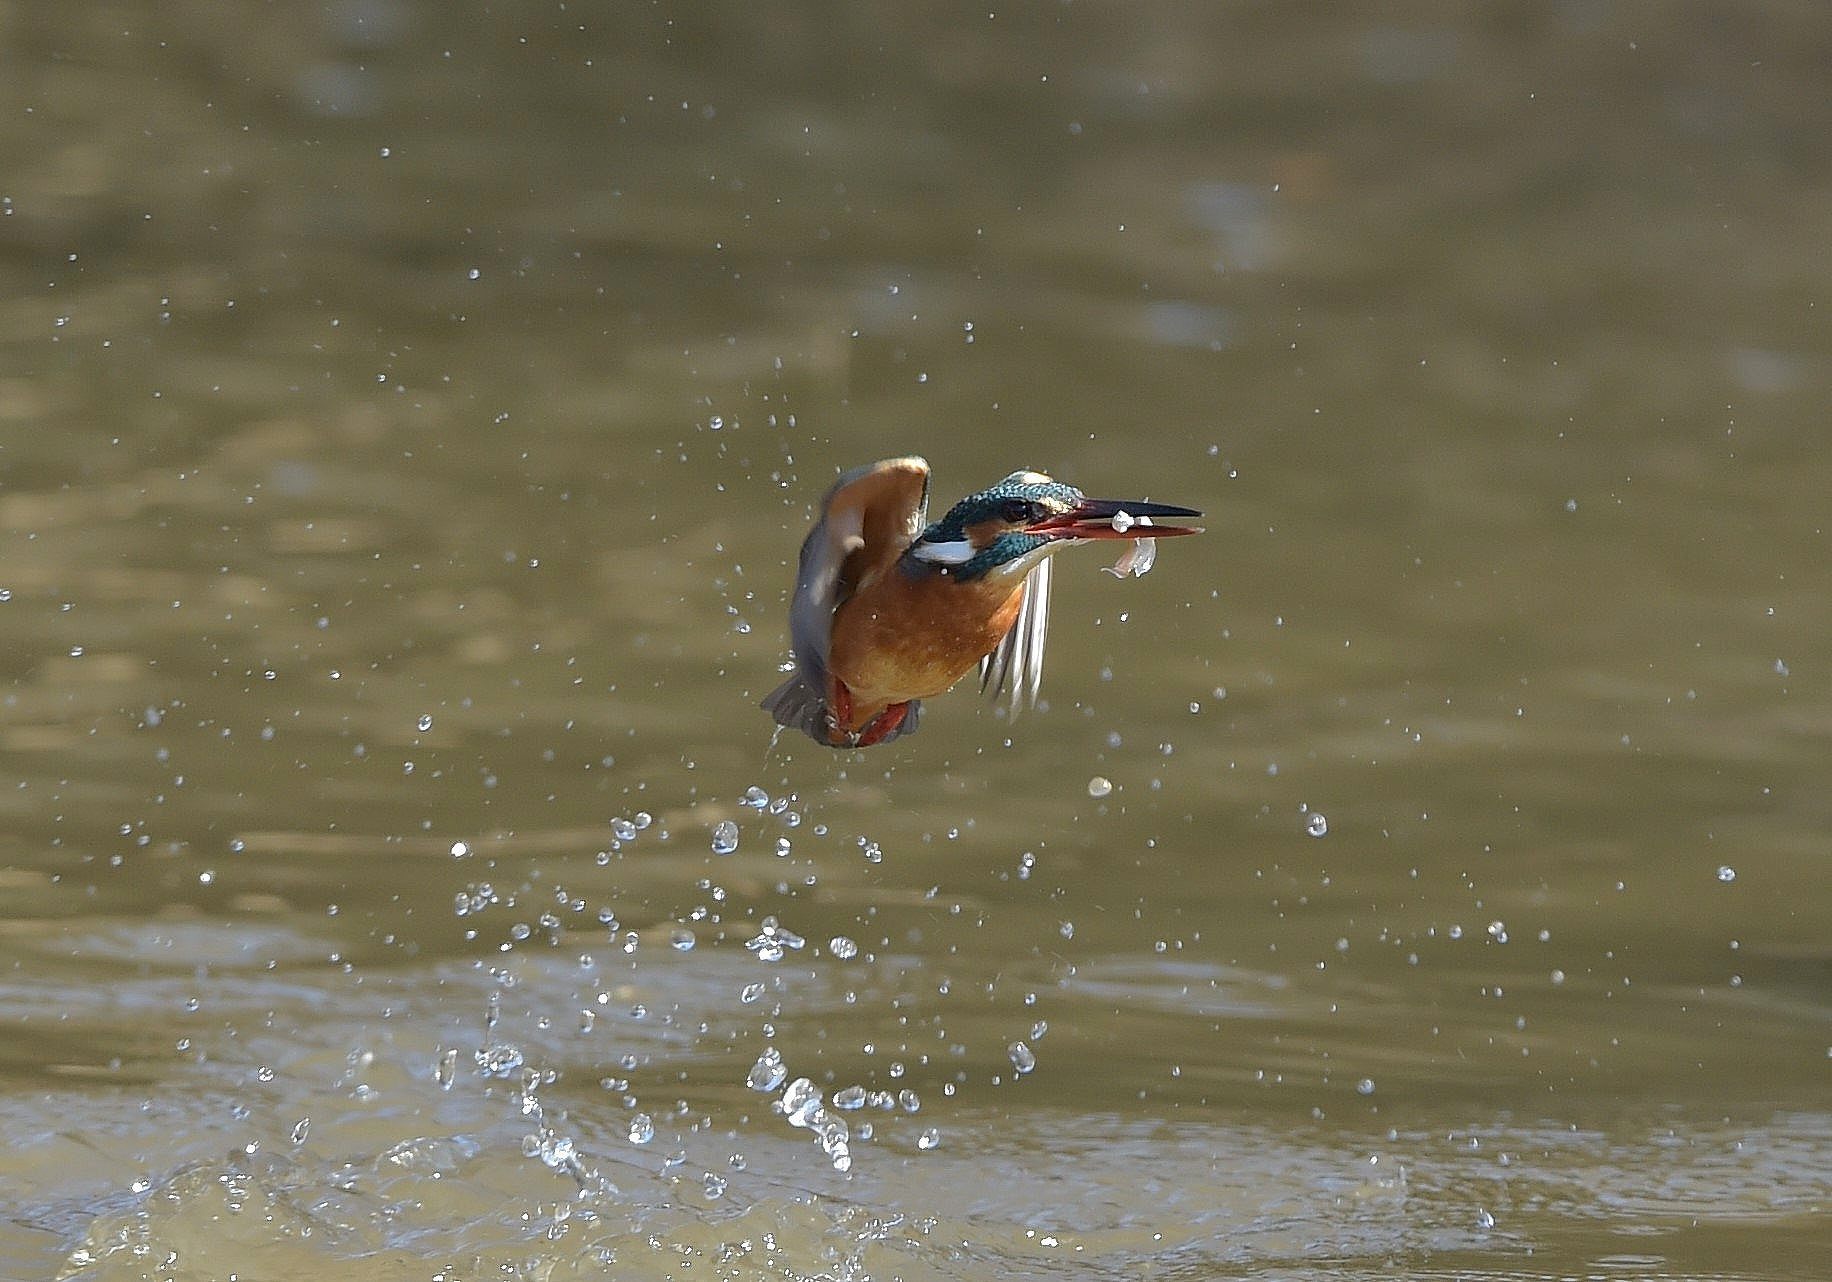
[{"x": 890, "y": 609}]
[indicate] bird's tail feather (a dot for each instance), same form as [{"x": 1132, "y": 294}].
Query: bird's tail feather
[{"x": 796, "y": 703}]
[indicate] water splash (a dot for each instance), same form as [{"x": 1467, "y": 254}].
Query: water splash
[
  {"x": 773, "y": 941},
  {"x": 768, "y": 1072}
]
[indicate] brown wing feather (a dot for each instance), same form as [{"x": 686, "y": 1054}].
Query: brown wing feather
[
  {"x": 871, "y": 515},
  {"x": 868, "y": 518}
]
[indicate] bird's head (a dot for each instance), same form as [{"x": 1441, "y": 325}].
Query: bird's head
[{"x": 1009, "y": 527}]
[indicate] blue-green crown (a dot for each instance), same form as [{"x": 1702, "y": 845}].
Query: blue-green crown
[{"x": 1001, "y": 503}]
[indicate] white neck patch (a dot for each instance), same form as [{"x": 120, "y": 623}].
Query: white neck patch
[{"x": 957, "y": 552}]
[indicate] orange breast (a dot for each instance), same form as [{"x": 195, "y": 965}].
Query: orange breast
[{"x": 912, "y": 636}]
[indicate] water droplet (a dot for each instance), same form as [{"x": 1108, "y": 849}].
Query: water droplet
[
  {"x": 301, "y": 1129},
  {"x": 1726, "y": 873},
  {"x": 849, "y": 1097},
  {"x": 446, "y": 1070},
  {"x": 750, "y": 994},
  {"x": 714, "y": 1186},
  {"x": 1484, "y": 1220},
  {"x": 642, "y": 1129},
  {"x": 754, "y": 798},
  {"x": 724, "y": 837},
  {"x": 499, "y": 1059},
  {"x": 425, "y": 722},
  {"x": 842, "y": 948},
  {"x": 623, "y": 829},
  {"x": 773, "y": 940},
  {"x": 681, "y": 939},
  {"x": 1023, "y": 1058},
  {"x": 1365, "y": 1086},
  {"x": 556, "y": 1150},
  {"x": 768, "y": 1072},
  {"x": 461, "y": 849},
  {"x": 801, "y": 1099},
  {"x": 1099, "y": 786},
  {"x": 1317, "y": 825},
  {"x": 929, "y": 1139}
]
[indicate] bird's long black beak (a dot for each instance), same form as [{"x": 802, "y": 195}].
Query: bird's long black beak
[{"x": 1115, "y": 519}]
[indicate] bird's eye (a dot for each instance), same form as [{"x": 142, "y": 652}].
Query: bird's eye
[{"x": 1019, "y": 511}]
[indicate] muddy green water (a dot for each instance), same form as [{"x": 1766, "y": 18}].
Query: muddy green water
[{"x": 409, "y": 414}]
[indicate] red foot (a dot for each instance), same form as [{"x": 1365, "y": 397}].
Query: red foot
[
  {"x": 883, "y": 725},
  {"x": 839, "y": 713}
]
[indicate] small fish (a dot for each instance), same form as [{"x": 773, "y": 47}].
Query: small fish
[{"x": 1140, "y": 554}]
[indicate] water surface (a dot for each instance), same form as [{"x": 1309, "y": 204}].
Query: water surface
[{"x": 409, "y": 415}]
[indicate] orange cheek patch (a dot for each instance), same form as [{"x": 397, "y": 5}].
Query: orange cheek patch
[{"x": 982, "y": 533}]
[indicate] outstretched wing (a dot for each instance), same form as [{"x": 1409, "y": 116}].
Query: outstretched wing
[
  {"x": 868, "y": 518},
  {"x": 1014, "y": 670}
]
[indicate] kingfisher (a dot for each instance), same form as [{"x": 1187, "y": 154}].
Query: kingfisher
[{"x": 890, "y": 609}]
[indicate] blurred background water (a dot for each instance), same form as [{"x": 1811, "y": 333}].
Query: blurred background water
[{"x": 409, "y": 414}]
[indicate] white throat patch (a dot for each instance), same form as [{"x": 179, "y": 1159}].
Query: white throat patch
[{"x": 957, "y": 552}]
